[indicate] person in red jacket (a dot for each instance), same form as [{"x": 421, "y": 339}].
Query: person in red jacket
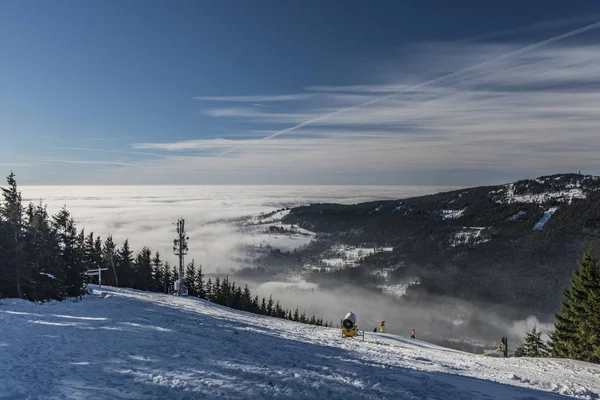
[
  {"x": 381, "y": 326},
  {"x": 412, "y": 334}
]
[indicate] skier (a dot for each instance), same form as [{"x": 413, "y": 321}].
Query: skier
[
  {"x": 412, "y": 334},
  {"x": 381, "y": 326}
]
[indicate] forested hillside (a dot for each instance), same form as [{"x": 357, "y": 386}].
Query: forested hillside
[{"x": 513, "y": 245}]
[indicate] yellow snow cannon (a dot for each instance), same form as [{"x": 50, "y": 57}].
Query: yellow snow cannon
[{"x": 349, "y": 327}]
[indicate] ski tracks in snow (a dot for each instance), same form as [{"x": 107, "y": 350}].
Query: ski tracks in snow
[{"x": 126, "y": 344}]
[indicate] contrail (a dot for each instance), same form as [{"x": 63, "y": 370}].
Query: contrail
[{"x": 435, "y": 80}]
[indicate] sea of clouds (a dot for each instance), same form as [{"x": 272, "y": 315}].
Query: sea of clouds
[{"x": 147, "y": 215}]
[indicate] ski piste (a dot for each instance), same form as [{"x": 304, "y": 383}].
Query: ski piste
[{"x": 128, "y": 344}]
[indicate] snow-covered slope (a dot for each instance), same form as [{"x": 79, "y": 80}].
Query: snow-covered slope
[
  {"x": 547, "y": 214},
  {"x": 562, "y": 188},
  {"x": 125, "y": 344}
]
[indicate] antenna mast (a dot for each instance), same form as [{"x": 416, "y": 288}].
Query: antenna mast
[{"x": 180, "y": 248}]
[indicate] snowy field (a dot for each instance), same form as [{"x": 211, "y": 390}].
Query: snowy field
[
  {"x": 347, "y": 256},
  {"x": 545, "y": 218},
  {"x": 468, "y": 235},
  {"x": 286, "y": 237},
  {"x": 125, "y": 344},
  {"x": 565, "y": 195}
]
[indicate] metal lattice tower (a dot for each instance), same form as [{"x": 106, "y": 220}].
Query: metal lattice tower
[{"x": 180, "y": 248}]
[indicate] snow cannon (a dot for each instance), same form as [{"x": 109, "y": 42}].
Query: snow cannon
[{"x": 349, "y": 327}]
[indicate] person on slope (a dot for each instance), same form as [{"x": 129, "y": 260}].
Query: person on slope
[
  {"x": 381, "y": 326},
  {"x": 412, "y": 334}
]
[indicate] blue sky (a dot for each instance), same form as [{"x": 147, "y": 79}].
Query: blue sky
[{"x": 241, "y": 92}]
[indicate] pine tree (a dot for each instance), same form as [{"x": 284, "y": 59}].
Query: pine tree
[
  {"x": 588, "y": 334},
  {"x": 7, "y": 283},
  {"x": 278, "y": 310},
  {"x": 577, "y": 330},
  {"x": 209, "y": 290},
  {"x": 216, "y": 290},
  {"x": 232, "y": 298},
  {"x": 88, "y": 249},
  {"x": 41, "y": 256},
  {"x": 167, "y": 277},
  {"x": 91, "y": 259},
  {"x": 189, "y": 279},
  {"x": 199, "y": 281},
  {"x": 263, "y": 307},
  {"x": 11, "y": 213},
  {"x": 296, "y": 315},
  {"x": 247, "y": 299},
  {"x": 533, "y": 346},
  {"x": 143, "y": 270},
  {"x": 237, "y": 298},
  {"x": 71, "y": 251},
  {"x": 98, "y": 257},
  {"x": 109, "y": 255},
  {"x": 158, "y": 272},
  {"x": 270, "y": 306},
  {"x": 223, "y": 293},
  {"x": 125, "y": 265},
  {"x": 80, "y": 241}
]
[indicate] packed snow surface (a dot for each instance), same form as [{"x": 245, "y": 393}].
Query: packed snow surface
[
  {"x": 267, "y": 230},
  {"x": 48, "y": 275},
  {"x": 545, "y": 218},
  {"x": 349, "y": 256},
  {"x": 451, "y": 214},
  {"x": 126, "y": 344},
  {"x": 468, "y": 235},
  {"x": 565, "y": 194},
  {"x": 516, "y": 216}
]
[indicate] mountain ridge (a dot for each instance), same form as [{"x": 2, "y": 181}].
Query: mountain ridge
[{"x": 509, "y": 244}]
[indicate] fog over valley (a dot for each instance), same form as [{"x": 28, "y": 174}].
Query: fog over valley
[
  {"x": 225, "y": 222},
  {"x": 146, "y": 215}
]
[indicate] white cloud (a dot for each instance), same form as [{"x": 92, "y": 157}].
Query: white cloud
[
  {"x": 100, "y": 162},
  {"x": 382, "y": 88},
  {"x": 523, "y": 113},
  {"x": 257, "y": 99},
  {"x": 18, "y": 164},
  {"x": 186, "y": 145},
  {"x": 542, "y": 26},
  {"x": 84, "y": 149}
]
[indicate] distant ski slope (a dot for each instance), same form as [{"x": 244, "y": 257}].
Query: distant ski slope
[{"x": 126, "y": 344}]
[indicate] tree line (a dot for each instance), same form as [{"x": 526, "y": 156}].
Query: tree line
[{"x": 45, "y": 257}]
